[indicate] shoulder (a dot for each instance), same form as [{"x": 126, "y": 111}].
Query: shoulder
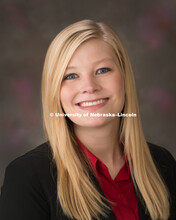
[
  {"x": 42, "y": 151},
  {"x": 166, "y": 166},
  {"x": 35, "y": 170},
  {"x": 161, "y": 156},
  {"x": 35, "y": 160}
]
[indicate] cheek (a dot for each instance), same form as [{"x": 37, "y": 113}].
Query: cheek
[
  {"x": 117, "y": 85},
  {"x": 64, "y": 95}
]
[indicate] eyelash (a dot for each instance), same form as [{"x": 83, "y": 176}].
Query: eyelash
[
  {"x": 108, "y": 69},
  {"x": 69, "y": 76}
]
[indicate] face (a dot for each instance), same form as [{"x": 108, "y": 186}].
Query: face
[{"x": 93, "y": 83}]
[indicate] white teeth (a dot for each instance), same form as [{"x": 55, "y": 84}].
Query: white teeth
[{"x": 84, "y": 104}]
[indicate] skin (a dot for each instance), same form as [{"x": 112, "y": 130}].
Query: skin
[{"x": 93, "y": 73}]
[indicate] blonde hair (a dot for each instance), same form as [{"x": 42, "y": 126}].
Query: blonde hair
[{"x": 78, "y": 196}]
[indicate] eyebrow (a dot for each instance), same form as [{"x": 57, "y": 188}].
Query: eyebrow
[{"x": 95, "y": 63}]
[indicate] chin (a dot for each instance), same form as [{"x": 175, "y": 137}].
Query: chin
[{"x": 92, "y": 122}]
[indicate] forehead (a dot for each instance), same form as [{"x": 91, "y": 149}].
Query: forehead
[{"x": 92, "y": 51}]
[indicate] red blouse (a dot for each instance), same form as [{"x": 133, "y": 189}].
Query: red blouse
[{"x": 120, "y": 190}]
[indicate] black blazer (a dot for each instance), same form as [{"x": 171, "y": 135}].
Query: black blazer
[{"x": 29, "y": 189}]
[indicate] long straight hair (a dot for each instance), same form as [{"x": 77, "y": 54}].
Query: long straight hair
[{"x": 78, "y": 196}]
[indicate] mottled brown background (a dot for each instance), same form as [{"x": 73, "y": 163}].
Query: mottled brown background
[{"x": 148, "y": 30}]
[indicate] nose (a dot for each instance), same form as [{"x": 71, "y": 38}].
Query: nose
[{"x": 89, "y": 85}]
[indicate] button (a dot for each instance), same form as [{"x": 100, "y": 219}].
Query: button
[{"x": 120, "y": 196}]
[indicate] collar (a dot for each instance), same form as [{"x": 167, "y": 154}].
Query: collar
[{"x": 124, "y": 173}]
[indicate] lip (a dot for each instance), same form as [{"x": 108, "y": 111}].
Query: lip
[{"x": 94, "y": 107}]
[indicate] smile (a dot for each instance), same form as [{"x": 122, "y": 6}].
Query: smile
[
  {"x": 93, "y": 104},
  {"x": 84, "y": 104}
]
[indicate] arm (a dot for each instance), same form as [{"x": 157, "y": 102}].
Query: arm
[{"x": 21, "y": 194}]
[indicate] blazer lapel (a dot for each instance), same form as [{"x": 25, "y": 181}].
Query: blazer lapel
[{"x": 111, "y": 215}]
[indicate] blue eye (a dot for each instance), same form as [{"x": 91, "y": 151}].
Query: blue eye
[
  {"x": 70, "y": 76},
  {"x": 103, "y": 70}
]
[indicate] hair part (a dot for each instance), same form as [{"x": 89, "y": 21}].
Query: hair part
[{"x": 77, "y": 194}]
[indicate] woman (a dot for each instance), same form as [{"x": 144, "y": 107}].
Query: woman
[{"x": 95, "y": 165}]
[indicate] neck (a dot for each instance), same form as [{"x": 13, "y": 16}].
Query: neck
[{"x": 102, "y": 142}]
